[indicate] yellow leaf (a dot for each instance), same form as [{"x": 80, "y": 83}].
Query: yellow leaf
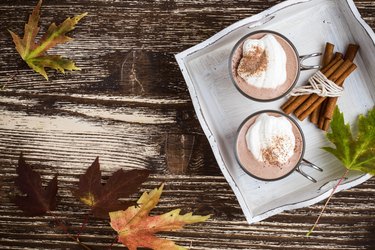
[
  {"x": 34, "y": 54},
  {"x": 136, "y": 228},
  {"x": 89, "y": 200}
]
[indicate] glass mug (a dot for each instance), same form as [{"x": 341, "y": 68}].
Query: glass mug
[
  {"x": 266, "y": 172},
  {"x": 294, "y": 64}
]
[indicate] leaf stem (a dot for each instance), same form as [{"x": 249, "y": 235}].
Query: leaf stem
[
  {"x": 325, "y": 205},
  {"x": 69, "y": 235},
  {"x": 113, "y": 242},
  {"x": 83, "y": 225},
  {"x": 12, "y": 78}
]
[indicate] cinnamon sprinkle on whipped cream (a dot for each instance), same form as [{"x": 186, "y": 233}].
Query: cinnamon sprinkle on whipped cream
[
  {"x": 253, "y": 62},
  {"x": 276, "y": 152},
  {"x": 271, "y": 140},
  {"x": 263, "y": 62}
]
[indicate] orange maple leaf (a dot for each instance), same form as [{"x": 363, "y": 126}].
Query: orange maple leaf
[{"x": 136, "y": 228}]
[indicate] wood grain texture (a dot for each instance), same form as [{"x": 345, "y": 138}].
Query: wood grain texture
[{"x": 130, "y": 106}]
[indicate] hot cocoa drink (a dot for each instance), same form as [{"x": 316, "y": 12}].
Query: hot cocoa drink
[
  {"x": 264, "y": 66},
  {"x": 269, "y": 145}
]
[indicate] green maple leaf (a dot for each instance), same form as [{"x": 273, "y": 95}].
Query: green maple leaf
[
  {"x": 355, "y": 152},
  {"x": 34, "y": 54}
]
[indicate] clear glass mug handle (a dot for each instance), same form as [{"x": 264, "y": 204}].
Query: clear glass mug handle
[
  {"x": 305, "y": 57},
  {"x": 306, "y": 163}
]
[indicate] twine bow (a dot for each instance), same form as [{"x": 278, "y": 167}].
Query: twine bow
[{"x": 320, "y": 85}]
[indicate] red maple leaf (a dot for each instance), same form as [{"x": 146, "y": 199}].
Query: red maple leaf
[
  {"x": 103, "y": 199},
  {"x": 37, "y": 200}
]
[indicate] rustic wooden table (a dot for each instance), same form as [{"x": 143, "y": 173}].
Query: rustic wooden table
[{"x": 130, "y": 106}]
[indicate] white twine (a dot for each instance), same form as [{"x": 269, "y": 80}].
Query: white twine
[{"x": 320, "y": 85}]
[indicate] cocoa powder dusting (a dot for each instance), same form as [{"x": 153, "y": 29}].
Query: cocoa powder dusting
[
  {"x": 271, "y": 155},
  {"x": 254, "y": 62}
]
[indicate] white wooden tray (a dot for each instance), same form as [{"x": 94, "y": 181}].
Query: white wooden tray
[{"x": 220, "y": 108}]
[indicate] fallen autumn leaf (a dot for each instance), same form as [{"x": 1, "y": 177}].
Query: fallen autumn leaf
[
  {"x": 37, "y": 200},
  {"x": 34, "y": 53},
  {"x": 136, "y": 228},
  {"x": 103, "y": 199}
]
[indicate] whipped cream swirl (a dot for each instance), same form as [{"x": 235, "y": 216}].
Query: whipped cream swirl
[
  {"x": 271, "y": 139},
  {"x": 263, "y": 64}
]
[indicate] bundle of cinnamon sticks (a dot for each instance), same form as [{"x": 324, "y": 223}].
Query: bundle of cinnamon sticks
[{"x": 336, "y": 67}]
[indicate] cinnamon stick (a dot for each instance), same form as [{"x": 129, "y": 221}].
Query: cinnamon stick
[
  {"x": 331, "y": 102},
  {"x": 336, "y": 70},
  {"x": 340, "y": 72},
  {"x": 321, "y": 114},
  {"x": 327, "y": 58},
  {"x": 332, "y": 63},
  {"x": 321, "y": 107},
  {"x": 326, "y": 124},
  {"x": 289, "y": 101},
  {"x": 340, "y": 80},
  {"x": 350, "y": 54},
  {"x": 299, "y": 102},
  {"x": 314, "y": 117},
  {"x": 295, "y": 104},
  {"x": 340, "y": 55},
  {"x": 327, "y": 112},
  {"x": 351, "y": 51},
  {"x": 328, "y": 54},
  {"x": 332, "y": 74},
  {"x": 290, "y": 106}
]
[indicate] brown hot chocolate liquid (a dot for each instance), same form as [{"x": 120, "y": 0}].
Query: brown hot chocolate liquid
[
  {"x": 264, "y": 170},
  {"x": 267, "y": 93}
]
